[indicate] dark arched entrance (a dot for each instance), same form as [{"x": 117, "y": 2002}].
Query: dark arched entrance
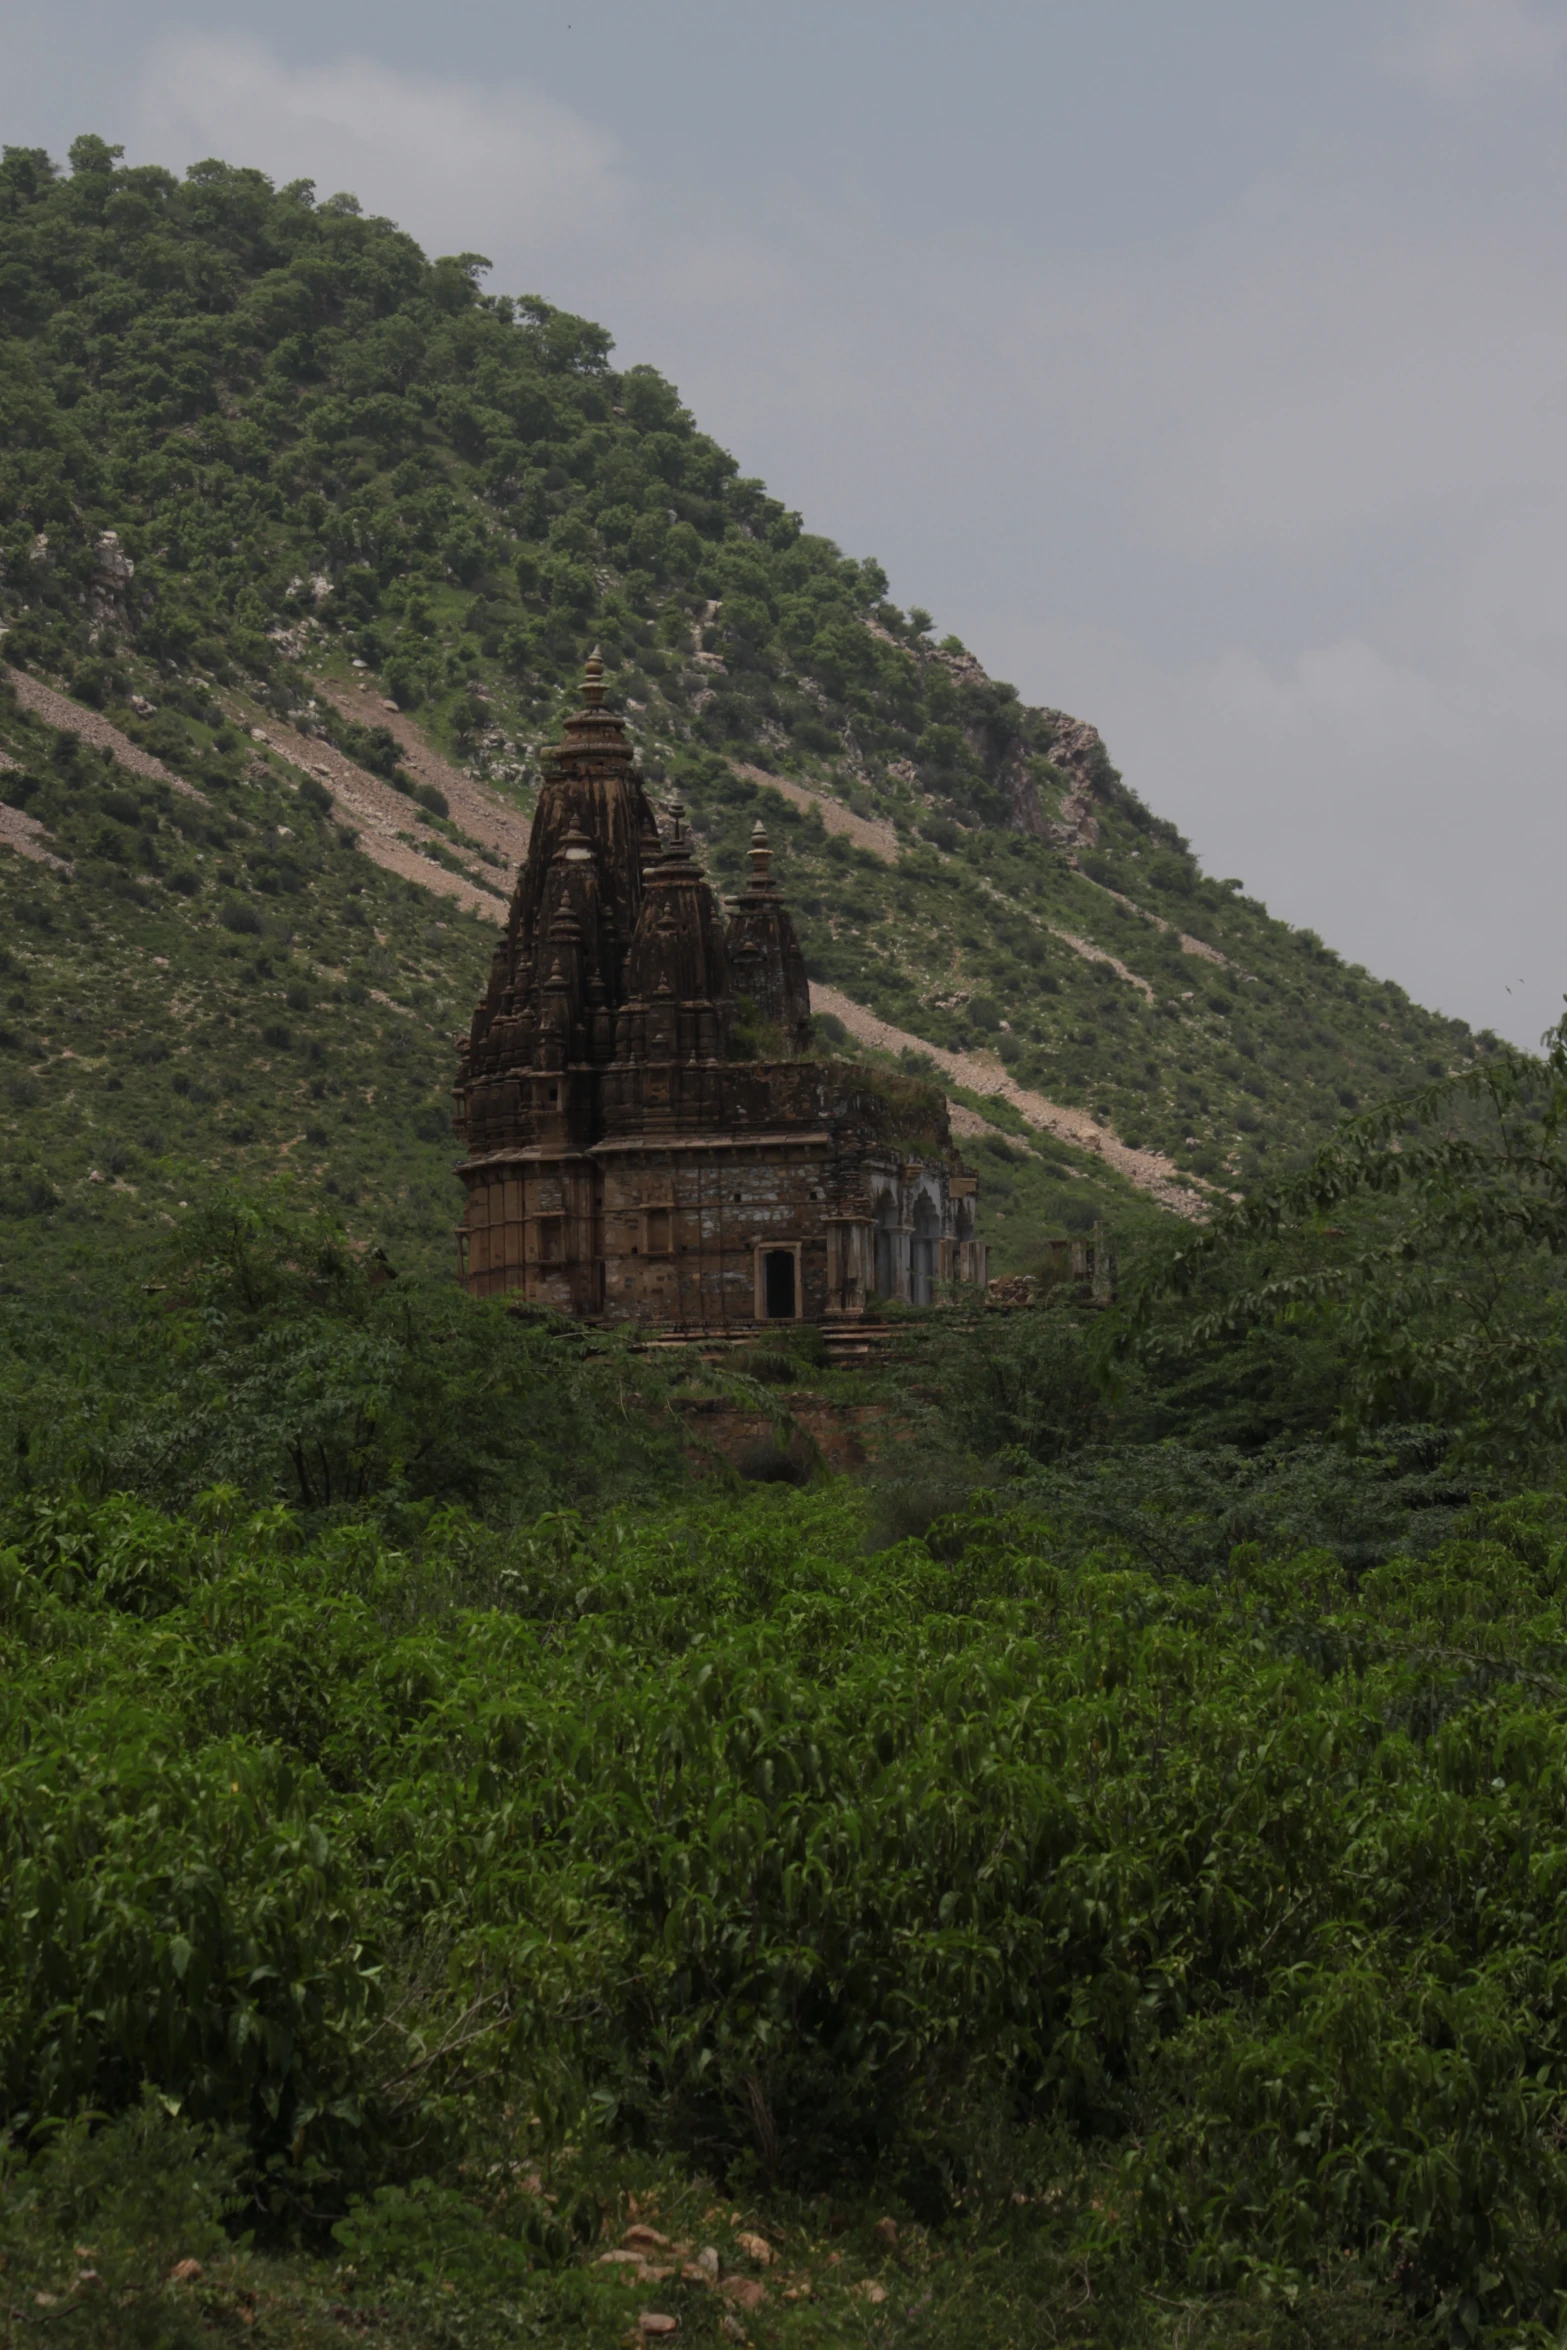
[
  {"x": 888, "y": 1252},
  {"x": 925, "y": 1253}
]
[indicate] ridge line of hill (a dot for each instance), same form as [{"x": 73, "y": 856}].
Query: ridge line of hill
[{"x": 262, "y": 452}]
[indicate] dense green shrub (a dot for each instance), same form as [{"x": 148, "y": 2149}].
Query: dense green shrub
[
  {"x": 101, "y": 2230},
  {"x": 803, "y": 1863},
  {"x": 275, "y": 1358},
  {"x": 1426, "y": 1240}
]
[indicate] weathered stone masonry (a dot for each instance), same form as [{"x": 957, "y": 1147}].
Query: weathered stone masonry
[{"x": 646, "y": 1138}]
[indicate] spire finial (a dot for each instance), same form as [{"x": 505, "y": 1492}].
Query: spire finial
[
  {"x": 677, "y": 826},
  {"x": 593, "y": 680},
  {"x": 760, "y": 854}
]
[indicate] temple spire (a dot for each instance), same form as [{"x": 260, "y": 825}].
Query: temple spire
[
  {"x": 764, "y": 954},
  {"x": 620, "y": 1164},
  {"x": 677, "y": 842}
]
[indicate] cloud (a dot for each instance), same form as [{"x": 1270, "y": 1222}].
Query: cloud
[
  {"x": 1315, "y": 363},
  {"x": 450, "y": 160},
  {"x": 1410, "y": 809},
  {"x": 1455, "y": 48}
]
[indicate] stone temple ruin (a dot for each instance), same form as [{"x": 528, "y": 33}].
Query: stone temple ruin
[{"x": 646, "y": 1136}]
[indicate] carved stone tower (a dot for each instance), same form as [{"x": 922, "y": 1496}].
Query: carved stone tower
[
  {"x": 645, "y": 1139},
  {"x": 765, "y": 957}
]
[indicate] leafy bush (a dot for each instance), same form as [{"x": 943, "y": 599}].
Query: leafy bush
[
  {"x": 1426, "y": 1238},
  {"x": 802, "y": 1863},
  {"x": 102, "y": 2229},
  {"x": 184, "y": 1921},
  {"x": 302, "y": 1370}
]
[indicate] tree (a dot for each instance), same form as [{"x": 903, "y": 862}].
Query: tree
[
  {"x": 1428, "y": 1239},
  {"x": 299, "y": 1368}
]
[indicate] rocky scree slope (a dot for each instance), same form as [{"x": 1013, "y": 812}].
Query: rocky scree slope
[{"x": 322, "y": 528}]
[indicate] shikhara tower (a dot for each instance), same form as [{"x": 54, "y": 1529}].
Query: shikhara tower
[{"x": 646, "y": 1138}]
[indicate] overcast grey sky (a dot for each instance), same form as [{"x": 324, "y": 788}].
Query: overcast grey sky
[{"x": 1203, "y": 367}]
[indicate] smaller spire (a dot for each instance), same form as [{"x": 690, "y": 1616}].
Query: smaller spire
[
  {"x": 677, "y": 841},
  {"x": 576, "y": 848},
  {"x": 761, "y": 856}
]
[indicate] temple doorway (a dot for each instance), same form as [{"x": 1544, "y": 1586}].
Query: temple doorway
[{"x": 778, "y": 1285}]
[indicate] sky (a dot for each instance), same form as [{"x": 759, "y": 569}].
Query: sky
[{"x": 1204, "y": 368}]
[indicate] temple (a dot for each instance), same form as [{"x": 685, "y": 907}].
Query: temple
[{"x": 646, "y": 1136}]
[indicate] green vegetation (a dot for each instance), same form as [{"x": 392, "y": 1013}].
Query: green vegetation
[
  {"x": 287, "y": 1009},
  {"x": 276, "y": 1359},
  {"x": 1093, "y": 1875},
  {"x": 1096, "y": 1874},
  {"x": 1198, "y": 1937}
]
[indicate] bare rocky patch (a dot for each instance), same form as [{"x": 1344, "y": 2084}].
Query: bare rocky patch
[
  {"x": 1149, "y": 1171},
  {"x": 866, "y": 832},
  {"x": 381, "y": 817},
  {"x": 59, "y": 711}
]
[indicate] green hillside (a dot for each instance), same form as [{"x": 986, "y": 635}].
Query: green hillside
[
  {"x": 1056, "y": 1837},
  {"x": 316, "y": 449}
]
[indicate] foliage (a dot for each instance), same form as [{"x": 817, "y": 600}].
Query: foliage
[
  {"x": 276, "y": 1360},
  {"x": 303, "y": 1368},
  {"x": 1426, "y": 1240},
  {"x": 1183, "y": 1510},
  {"x": 92, "y": 2229},
  {"x": 801, "y": 1864}
]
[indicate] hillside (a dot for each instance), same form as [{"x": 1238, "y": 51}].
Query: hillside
[
  {"x": 1054, "y": 1833},
  {"x": 302, "y": 539}
]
